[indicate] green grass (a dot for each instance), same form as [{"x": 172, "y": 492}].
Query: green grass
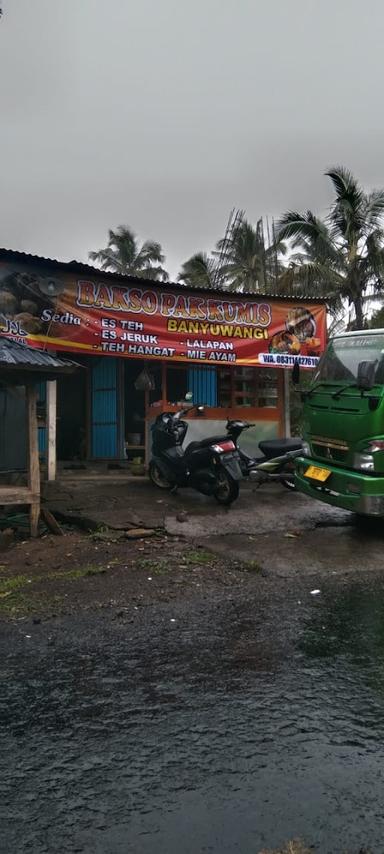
[
  {"x": 194, "y": 557},
  {"x": 18, "y": 596},
  {"x": 252, "y": 566},
  {"x": 22, "y": 605},
  {"x": 155, "y": 567},
  {"x": 104, "y": 535},
  {"x": 12, "y": 583},
  {"x": 81, "y": 572},
  {"x": 198, "y": 557}
]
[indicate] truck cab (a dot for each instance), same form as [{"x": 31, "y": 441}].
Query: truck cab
[{"x": 343, "y": 459}]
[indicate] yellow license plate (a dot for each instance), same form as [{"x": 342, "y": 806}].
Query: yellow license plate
[{"x": 317, "y": 474}]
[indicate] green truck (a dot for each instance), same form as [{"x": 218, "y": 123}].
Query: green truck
[{"x": 343, "y": 458}]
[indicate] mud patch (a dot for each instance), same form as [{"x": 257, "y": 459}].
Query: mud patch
[{"x": 69, "y": 574}]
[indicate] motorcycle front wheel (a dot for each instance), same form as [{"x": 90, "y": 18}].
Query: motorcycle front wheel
[
  {"x": 289, "y": 482},
  {"x": 157, "y": 477},
  {"x": 227, "y": 488}
]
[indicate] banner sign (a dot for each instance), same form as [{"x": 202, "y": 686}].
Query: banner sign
[{"x": 91, "y": 315}]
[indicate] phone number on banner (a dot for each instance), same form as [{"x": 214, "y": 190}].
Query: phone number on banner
[{"x": 285, "y": 360}]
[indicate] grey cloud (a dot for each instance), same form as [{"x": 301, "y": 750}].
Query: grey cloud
[{"x": 164, "y": 114}]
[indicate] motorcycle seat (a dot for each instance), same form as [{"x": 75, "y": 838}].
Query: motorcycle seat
[
  {"x": 209, "y": 440},
  {"x": 191, "y": 447},
  {"x": 277, "y": 447}
]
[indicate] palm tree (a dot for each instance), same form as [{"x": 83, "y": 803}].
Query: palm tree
[
  {"x": 248, "y": 264},
  {"x": 376, "y": 321},
  {"x": 342, "y": 257},
  {"x": 199, "y": 271},
  {"x": 124, "y": 255}
]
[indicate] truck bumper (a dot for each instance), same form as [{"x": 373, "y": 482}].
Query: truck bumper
[{"x": 351, "y": 490}]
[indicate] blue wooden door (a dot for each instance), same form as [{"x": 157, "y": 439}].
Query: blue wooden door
[
  {"x": 202, "y": 382},
  {"x": 104, "y": 408}
]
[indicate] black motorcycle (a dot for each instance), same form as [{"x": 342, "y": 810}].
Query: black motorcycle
[
  {"x": 211, "y": 466},
  {"x": 277, "y": 462}
]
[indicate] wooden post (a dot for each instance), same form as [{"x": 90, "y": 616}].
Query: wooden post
[
  {"x": 287, "y": 411},
  {"x": 51, "y": 429},
  {"x": 164, "y": 383},
  {"x": 33, "y": 458},
  {"x": 146, "y": 428}
]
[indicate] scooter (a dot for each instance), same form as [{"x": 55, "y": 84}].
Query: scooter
[
  {"x": 277, "y": 462},
  {"x": 211, "y": 466}
]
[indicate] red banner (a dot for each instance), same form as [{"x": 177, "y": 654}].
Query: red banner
[{"x": 152, "y": 321}]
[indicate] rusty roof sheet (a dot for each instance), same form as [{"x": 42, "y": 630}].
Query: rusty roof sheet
[{"x": 88, "y": 269}]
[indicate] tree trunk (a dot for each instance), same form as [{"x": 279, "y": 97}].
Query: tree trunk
[{"x": 358, "y": 304}]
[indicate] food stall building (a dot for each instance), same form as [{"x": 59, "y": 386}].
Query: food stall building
[{"x": 144, "y": 345}]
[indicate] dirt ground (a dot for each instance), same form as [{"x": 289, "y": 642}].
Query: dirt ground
[
  {"x": 94, "y": 565},
  {"x": 185, "y": 545},
  {"x": 62, "y": 575}
]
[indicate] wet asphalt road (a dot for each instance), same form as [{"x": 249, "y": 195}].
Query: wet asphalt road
[{"x": 221, "y": 724}]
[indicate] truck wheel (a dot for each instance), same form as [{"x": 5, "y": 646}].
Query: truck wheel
[
  {"x": 157, "y": 477},
  {"x": 227, "y": 489}
]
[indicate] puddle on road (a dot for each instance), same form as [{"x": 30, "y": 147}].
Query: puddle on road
[{"x": 241, "y": 725}]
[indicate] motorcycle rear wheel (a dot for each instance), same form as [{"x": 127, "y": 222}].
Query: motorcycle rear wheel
[
  {"x": 227, "y": 489},
  {"x": 157, "y": 477}
]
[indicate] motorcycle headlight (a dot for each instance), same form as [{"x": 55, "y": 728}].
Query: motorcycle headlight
[
  {"x": 364, "y": 462},
  {"x": 306, "y": 451}
]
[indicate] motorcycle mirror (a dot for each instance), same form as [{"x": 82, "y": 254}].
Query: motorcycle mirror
[{"x": 366, "y": 375}]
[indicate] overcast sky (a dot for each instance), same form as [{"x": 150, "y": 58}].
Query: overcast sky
[{"x": 165, "y": 114}]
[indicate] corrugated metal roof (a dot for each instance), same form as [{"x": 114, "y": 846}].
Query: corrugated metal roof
[
  {"x": 88, "y": 269},
  {"x": 15, "y": 355}
]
